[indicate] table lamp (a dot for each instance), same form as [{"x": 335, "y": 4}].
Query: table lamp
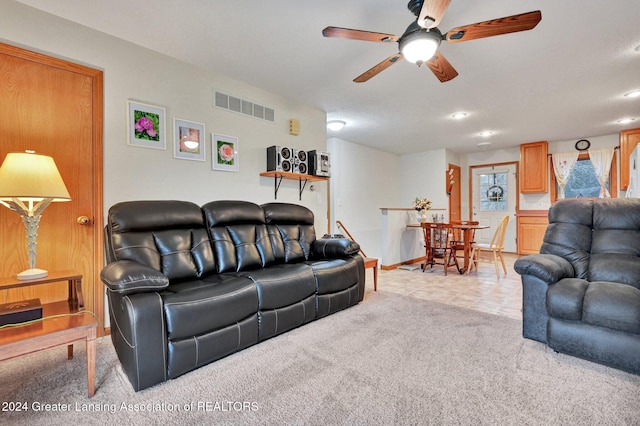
[{"x": 29, "y": 182}]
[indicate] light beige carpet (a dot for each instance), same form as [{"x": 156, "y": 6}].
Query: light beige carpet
[{"x": 390, "y": 360}]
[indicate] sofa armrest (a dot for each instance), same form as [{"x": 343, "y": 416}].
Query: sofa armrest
[
  {"x": 547, "y": 267},
  {"x": 334, "y": 248},
  {"x": 128, "y": 277}
]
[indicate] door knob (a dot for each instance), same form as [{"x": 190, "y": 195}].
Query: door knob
[{"x": 83, "y": 220}]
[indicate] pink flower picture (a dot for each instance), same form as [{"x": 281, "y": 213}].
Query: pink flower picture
[
  {"x": 145, "y": 125},
  {"x": 224, "y": 150},
  {"x": 225, "y": 153}
]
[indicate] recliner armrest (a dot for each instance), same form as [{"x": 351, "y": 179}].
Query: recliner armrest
[
  {"x": 334, "y": 248},
  {"x": 548, "y": 267},
  {"x": 128, "y": 277}
]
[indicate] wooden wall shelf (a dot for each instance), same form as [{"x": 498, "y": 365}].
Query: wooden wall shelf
[{"x": 301, "y": 178}]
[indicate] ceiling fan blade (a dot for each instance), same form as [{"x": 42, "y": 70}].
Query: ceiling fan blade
[
  {"x": 365, "y": 76},
  {"x": 432, "y": 12},
  {"x": 358, "y": 34},
  {"x": 442, "y": 69},
  {"x": 494, "y": 27}
]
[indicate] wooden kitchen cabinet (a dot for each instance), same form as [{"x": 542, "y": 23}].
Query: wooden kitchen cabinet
[
  {"x": 628, "y": 141},
  {"x": 532, "y": 224},
  {"x": 534, "y": 167}
]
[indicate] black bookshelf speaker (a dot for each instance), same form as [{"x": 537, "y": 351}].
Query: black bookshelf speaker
[
  {"x": 300, "y": 162},
  {"x": 319, "y": 163},
  {"x": 280, "y": 158}
]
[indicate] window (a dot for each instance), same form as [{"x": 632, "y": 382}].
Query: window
[
  {"x": 583, "y": 182},
  {"x": 493, "y": 191}
]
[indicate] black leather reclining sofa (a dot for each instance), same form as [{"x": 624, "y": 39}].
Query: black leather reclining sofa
[
  {"x": 188, "y": 285},
  {"x": 581, "y": 294}
]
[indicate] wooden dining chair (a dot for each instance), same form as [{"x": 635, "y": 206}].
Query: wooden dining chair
[
  {"x": 495, "y": 246},
  {"x": 458, "y": 242},
  {"x": 438, "y": 247}
]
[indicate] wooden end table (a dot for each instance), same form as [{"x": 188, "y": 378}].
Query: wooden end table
[{"x": 69, "y": 325}]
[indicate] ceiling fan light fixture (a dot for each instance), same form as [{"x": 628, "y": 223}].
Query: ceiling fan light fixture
[
  {"x": 336, "y": 125},
  {"x": 419, "y": 46}
]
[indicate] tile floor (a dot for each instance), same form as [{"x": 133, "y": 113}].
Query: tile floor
[{"x": 480, "y": 291}]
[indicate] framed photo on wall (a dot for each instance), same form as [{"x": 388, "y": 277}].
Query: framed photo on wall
[
  {"x": 188, "y": 140},
  {"x": 224, "y": 153},
  {"x": 145, "y": 125}
]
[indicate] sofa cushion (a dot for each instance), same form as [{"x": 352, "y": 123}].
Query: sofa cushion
[
  {"x": 618, "y": 267},
  {"x": 197, "y": 307},
  {"x": 291, "y": 231},
  {"x": 334, "y": 275},
  {"x": 169, "y": 236},
  {"x": 565, "y": 298},
  {"x": 241, "y": 247},
  {"x": 239, "y": 235},
  {"x": 612, "y": 305},
  {"x": 282, "y": 285}
]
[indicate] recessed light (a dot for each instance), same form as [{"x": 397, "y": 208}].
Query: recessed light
[
  {"x": 459, "y": 115},
  {"x": 483, "y": 145},
  {"x": 633, "y": 94},
  {"x": 486, "y": 133},
  {"x": 626, "y": 120},
  {"x": 335, "y": 125}
]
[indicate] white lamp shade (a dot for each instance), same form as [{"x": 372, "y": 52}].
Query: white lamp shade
[
  {"x": 31, "y": 177},
  {"x": 419, "y": 49}
]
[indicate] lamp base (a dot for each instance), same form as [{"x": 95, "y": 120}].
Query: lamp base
[{"x": 32, "y": 274}]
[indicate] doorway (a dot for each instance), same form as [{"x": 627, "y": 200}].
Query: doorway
[
  {"x": 494, "y": 194},
  {"x": 55, "y": 108}
]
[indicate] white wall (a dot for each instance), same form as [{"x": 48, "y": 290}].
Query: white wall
[
  {"x": 424, "y": 175},
  {"x": 132, "y": 72},
  {"x": 363, "y": 180}
]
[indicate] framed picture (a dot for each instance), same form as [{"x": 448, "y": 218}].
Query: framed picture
[
  {"x": 146, "y": 124},
  {"x": 188, "y": 140},
  {"x": 224, "y": 153}
]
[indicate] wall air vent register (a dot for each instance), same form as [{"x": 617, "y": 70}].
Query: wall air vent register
[{"x": 242, "y": 106}]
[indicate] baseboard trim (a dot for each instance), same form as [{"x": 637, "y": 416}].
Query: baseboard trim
[{"x": 406, "y": 262}]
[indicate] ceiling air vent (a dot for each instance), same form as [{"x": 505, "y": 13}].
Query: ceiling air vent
[{"x": 244, "y": 107}]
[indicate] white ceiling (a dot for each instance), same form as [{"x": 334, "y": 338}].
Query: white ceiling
[{"x": 563, "y": 80}]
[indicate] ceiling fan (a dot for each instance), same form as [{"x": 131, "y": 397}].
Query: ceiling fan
[{"x": 420, "y": 41}]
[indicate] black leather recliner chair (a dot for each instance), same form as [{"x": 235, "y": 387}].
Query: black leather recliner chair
[
  {"x": 188, "y": 285},
  {"x": 581, "y": 294}
]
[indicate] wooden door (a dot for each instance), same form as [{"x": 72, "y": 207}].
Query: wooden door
[
  {"x": 55, "y": 108},
  {"x": 494, "y": 194},
  {"x": 454, "y": 192},
  {"x": 628, "y": 141}
]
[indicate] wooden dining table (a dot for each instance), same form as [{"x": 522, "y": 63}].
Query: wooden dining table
[{"x": 467, "y": 233}]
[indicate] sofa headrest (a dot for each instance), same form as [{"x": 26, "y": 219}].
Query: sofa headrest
[
  {"x": 137, "y": 216},
  {"x": 617, "y": 213},
  {"x": 285, "y": 213},
  {"x": 222, "y": 213},
  {"x": 577, "y": 211}
]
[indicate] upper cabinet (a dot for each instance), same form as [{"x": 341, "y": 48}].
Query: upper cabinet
[
  {"x": 628, "y": 141},
  {"x": 534, "y": 167}
]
